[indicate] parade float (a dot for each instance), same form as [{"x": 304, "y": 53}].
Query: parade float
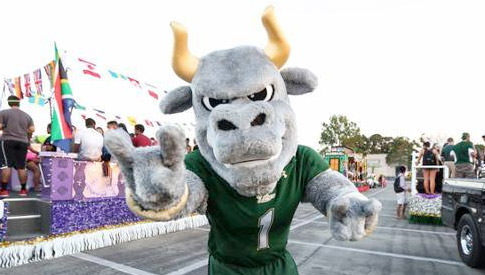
[
  {"x": 352, "y": 165},
  {"x": 80, "y": 207},
  {"x": 425, "y": 208}
]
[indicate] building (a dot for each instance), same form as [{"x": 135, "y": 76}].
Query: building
[{"x": 376, "y": 164}]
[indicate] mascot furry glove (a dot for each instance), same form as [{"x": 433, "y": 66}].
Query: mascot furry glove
[{"x": 249, "y": 174}]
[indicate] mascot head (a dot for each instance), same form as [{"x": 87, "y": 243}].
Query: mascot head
[{"x": 245, "y": 126}]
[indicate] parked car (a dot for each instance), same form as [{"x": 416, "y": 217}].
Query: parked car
[{"x": 463, "y": 208}]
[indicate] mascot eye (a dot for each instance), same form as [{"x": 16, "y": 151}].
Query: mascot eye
[
  {"x": 211, "y": 103},
  {"x": 265, "y": 95}
]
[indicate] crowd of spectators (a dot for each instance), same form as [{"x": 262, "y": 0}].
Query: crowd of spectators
[
  {"x": 463, "y": 160},
  {"x": 16, "y": 151}
]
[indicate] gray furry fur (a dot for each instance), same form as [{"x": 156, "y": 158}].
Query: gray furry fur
[
  {"x": 147, "y": 169},
  {"x": 299, "y": 81},
  {"x": 177, "y": 101},
  {"x": 352, "y": 216},
  {"x": 249, "y": 155}
]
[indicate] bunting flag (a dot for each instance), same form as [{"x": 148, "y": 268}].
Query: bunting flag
[
  {"x": 27, "y": 88},
  {"x": 38, "y": 100},
  {"x": 49, "y": 69},
  {"x": 150, "y": 86},
  {"x": 10, "y": 86},
  {"x": 79, "y": 107},
  {"x": 132, "y": 120},
  {"x": 158, "y": 123},
  {"x": 113, "y": 74},
  {"x": 135, "y": 82},
  {"x": 91, "y": 67},
  {"x": 17, "y": 87},
  {"x": 100, "y": 116},
  {"x": 99, "y": 111},
  {"x": 148, "y": 123},
  {"x": 153, "y": 94},
  {"x": 118, "y": 117},
  {"x": 38, "y": 81},
  {"x": 62, "y": 103}
]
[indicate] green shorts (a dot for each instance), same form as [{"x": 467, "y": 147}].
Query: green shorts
[{"x": 283, "y": 266}]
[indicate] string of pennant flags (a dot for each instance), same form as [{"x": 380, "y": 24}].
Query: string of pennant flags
[{"x": 30, "y": 85}]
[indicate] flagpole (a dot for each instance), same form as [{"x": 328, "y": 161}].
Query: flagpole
[{"x": 3, "y": 92}]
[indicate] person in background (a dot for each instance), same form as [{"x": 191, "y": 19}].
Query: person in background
[
  {"x": 32, "y": 164},
  {"x": 89, "y": 142},
  {"x": 402, "y": 197},
  {"x": 73, "y": 140},
  {"x": 196, "y": 147},
  {"x": 140, "y": 140},
  {"x": 464, "y": 154},
  {"x": 188, "y": 148},
  {"x": 382, "y": 181},
  {"x": 100, "y": 130},
  {"x": 105, "y": 156},
  {"x": 47, "y": 145},
  {"x": 112, "y": 125},
  {"x": 16, "y": 125},
  {"x": 430, "y": 157},
  {"x": 123, "y": 126},
  {"x": 448, "y": 159},
  {"x": 481, "y": 152},
  {"x": 153, "y": 141}
]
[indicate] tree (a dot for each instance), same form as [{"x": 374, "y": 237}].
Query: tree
[
  {"x": 338, "y": 129},
  {"x": 379, "y": 144},
  {"x": 359, "y": 143},
  {"x": 400, "y": 152}
]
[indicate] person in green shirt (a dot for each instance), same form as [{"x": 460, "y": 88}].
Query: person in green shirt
[
  {"x": 448, "y": 159},
  {"x": 464, "y": 154}
]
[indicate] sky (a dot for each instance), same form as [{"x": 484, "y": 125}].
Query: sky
[{"x": 398, "y": 68}]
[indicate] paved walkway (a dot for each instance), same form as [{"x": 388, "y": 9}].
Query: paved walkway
[{"x": 396, "y": 247}]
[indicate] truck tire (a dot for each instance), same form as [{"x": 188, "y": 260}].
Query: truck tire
[{"x": 469, "y": 243}]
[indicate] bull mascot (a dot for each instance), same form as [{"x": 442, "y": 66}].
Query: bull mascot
[{"x": 249, "y": 174}]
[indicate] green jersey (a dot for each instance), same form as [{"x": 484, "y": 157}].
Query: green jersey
[
  {"x": 248, "y": 233},
  {"x": 463, "y": 152}
]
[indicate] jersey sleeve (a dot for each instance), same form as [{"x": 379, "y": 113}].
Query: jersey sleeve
[{"x": 311, "y": 164}]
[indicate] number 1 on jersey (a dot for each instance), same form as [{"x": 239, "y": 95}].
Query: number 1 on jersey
[{"x": 264, "y": 225}]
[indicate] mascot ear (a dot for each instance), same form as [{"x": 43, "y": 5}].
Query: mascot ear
[
  {"x": 177, "y": 100},
  {"x": 299, "y": 81}
]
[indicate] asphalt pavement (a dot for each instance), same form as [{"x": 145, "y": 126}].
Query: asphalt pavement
[{"x": 396, "y": 247}]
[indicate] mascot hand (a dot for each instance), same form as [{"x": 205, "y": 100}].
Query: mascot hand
[
  {"x": 155, "y": 176},
  {"x": 353, "y": 216}
]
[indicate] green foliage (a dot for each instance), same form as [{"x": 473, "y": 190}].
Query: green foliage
[
  {"x": 359, "y": 143},
  {"x": 340, "y": 131},
  {"x": 379, "y": 144},
  {"x": 336, "y": 131},
  {"x": 400, "y": 152}
]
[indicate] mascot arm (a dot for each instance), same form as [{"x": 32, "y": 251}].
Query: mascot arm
[
  {"x": 351, "y": 215},
  {"x": 158, "y": 187}
]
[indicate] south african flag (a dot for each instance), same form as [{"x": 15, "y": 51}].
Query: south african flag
[{"x": 62, "y": 102}]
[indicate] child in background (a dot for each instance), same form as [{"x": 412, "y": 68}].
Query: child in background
[{"x": 401, "y": 193}]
